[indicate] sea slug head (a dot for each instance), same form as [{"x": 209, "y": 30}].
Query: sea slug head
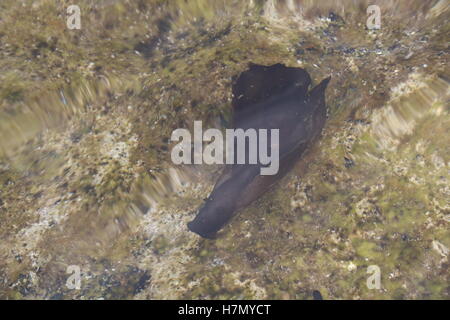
[{"x": 211, "y": 217}]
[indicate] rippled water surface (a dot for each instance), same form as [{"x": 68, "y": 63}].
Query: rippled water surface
[{"x": 86, "y": 178}]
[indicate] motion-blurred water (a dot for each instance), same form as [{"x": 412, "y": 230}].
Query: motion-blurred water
[{"x": 85, "y": 171}]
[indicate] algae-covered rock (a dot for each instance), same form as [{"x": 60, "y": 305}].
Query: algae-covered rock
[{"x": 87, "y": 182}]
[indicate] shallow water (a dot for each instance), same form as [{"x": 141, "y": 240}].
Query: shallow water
[{"x": 86, "y": 178}]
